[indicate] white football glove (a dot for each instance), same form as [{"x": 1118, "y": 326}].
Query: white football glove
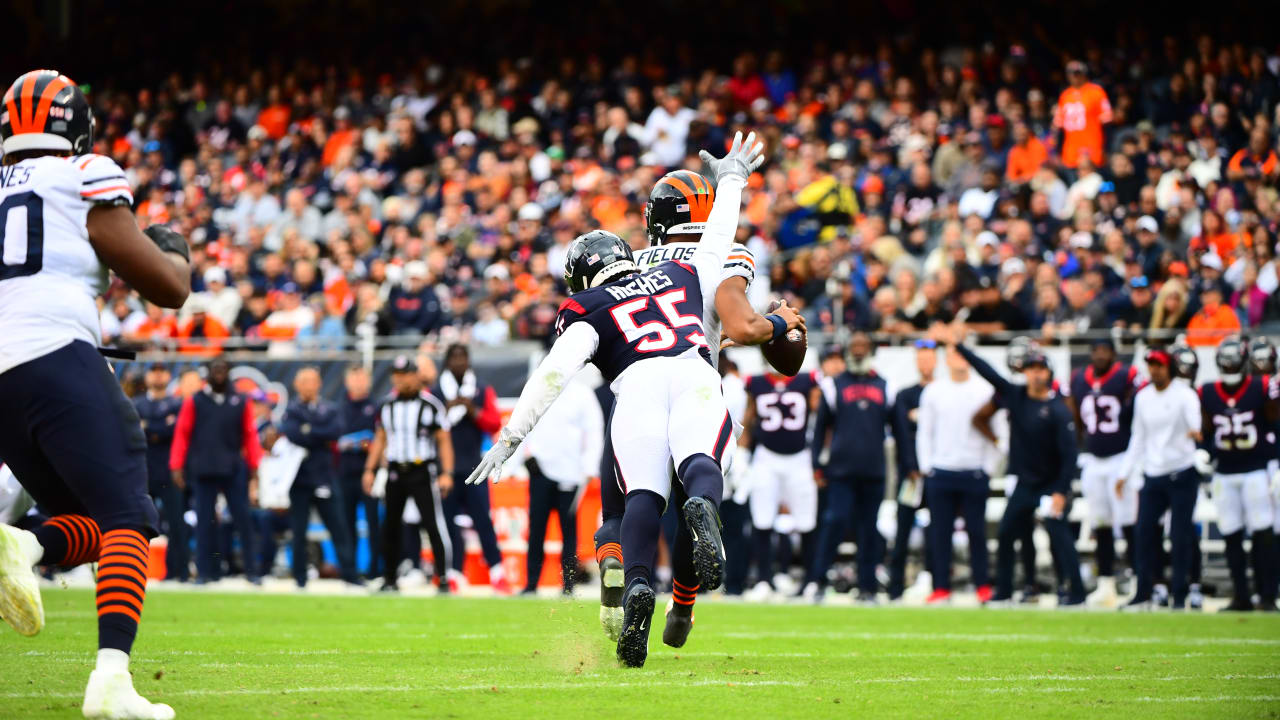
[
  {"x": 1204, "y": 463},
  {"x": 741, "y": 160},
  {"x": 491, "y": 464}
]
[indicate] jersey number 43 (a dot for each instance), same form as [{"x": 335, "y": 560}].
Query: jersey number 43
[{"x": 21, "y": 235}]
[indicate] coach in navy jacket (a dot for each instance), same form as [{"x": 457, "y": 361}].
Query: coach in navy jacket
[
  {"x": 312, "y": 423},
  {"x": 159, "y": 414},
  {"x": 856, "y": 410}
]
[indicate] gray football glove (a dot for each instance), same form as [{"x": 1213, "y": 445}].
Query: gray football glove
[
  {"x": 741, "y": 160},
  {"x": 492, "y": 462}
]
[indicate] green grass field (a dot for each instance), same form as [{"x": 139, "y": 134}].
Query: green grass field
[{"x": 225, "y": 655}]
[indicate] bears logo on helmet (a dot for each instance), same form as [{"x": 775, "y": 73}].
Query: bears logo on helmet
[
  {"x": 45, "y": 110},
  {"x": 679, "y": 203}
]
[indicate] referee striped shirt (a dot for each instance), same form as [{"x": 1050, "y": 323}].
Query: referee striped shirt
[{"x": 410, "y": 425}]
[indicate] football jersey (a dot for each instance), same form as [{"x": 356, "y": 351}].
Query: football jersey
[
  {"x": 656, "y": 313},
  {"x": 1106, "y": 407},
  {"x": 739, "y": 263},
  {"x": 782, "y": 410},
  {"x": 50, "y": 275},
  {"x": 1240, "y": 428}
]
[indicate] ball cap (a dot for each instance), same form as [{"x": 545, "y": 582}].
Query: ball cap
[{"x": 403, "y": 364}]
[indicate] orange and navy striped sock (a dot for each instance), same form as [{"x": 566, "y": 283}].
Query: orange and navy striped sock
[
  {"x": 69, "y": 540},
  {"x": 609, "y": 550},
  {"x": 122, "y": 585},
  {"x": 684, "y": 595}
]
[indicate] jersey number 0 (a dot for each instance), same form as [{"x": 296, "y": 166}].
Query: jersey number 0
[{"x": 21, "y": 248}]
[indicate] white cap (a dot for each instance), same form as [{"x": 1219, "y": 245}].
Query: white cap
[
  {"x": 464, "y": 137},
  {"x": 837, "y": 151},
  {"x": 498, "y": 271},
  {"x": 530, "y": 211},
  {"x": 1148, "y": 223},
  {"x": 215, "y": 274},
  {"x": 1013, "y": 266},
  {"x": 1211, "y": 260},
  {"x": 1082, "y": 239},
  {"x": 986, "y": 237},
  {"x": 415, "y": 269}
]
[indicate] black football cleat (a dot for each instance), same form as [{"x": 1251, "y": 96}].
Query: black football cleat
[
  {"x": 1238, "y": 604},
  {"x": 708, "y": 549},
  {"x": 679, "y": 624},
  {"x": 633, "y": 643}
]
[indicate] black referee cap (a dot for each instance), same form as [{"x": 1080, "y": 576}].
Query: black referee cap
[{"x": 403, "y": 364}]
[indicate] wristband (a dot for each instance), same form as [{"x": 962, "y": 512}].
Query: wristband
[{"x": 779, "y": 326}]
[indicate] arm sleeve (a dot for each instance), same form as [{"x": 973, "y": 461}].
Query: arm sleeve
[
  {"x": 1066, "y": 451},
  {"x": 488, "y": 419},
  {"x": 741, "y": 262},
  {"x": 182, "y": 434},
  {"x": 571, "y": 351},
  {"x": 924, "y": 433},
  {"x": 252, "y": 448},
  {"x": 722, "y": 225},
  {"x": 987, "y": 372},
  {"x": 1191, "y": 410},
  {"x": 1133, "y": 460}
]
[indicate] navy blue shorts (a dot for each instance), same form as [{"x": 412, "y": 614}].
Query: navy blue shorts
[{"x": 74, "y": 440}]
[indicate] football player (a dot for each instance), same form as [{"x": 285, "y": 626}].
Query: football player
[
  {"x": 1262, "y": 358},
  {"x": 1239, "y": 411},
  {"x": 644, "y": 331},
  {"x": 675, "y": 217},
  {"x": 1101, "y": 402},
  {"x": 777, "y": 423},
  {"x": 70, "y": 435}
]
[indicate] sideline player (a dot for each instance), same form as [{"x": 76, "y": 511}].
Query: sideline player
[
  {"x": 1238, "y": 411},
  {"x": 1101, "y": 401},
  {"x": 675, "y": 217},
  {"x": 1262, "y": 360},
  {"x": 70, "y": 435},
  {"x": 777, "y": 423},
  {"x": 644, "y": 331}
]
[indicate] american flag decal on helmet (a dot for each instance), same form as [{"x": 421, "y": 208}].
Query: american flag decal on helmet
[
  {"x": 595, "y": 258},
  {"x": 683, "y": 207}
]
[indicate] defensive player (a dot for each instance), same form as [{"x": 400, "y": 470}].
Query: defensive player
[
  {"x": 644, "y": 331},
  {"x": 1102, "y": 402},
  {"x": 71, "y": 436},
  {"x": 777, "y": 423},
  {"x": 1262, "y": 359},
  {"x": 1239, "y": 410},
  {"x": 675, "y": 217}
]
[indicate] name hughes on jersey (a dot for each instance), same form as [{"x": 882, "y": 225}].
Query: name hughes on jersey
[
  {"x": 11, "y": 175},
  {"x": 646, "y": 284}
]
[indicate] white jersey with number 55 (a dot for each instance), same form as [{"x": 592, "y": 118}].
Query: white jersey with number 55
[
  {"x": 739, "y": 263},
  {"x": 50, "y": 276}
]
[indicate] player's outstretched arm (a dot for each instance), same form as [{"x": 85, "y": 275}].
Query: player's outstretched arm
[
  {"x": 571, "y": 351},
  {"x": 742, "y": 324},
  {"x": 156, "y": 263},
  {"x": 731, "y": 173}
]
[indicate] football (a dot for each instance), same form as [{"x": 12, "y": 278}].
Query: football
[{"x": 786, "y": 354}]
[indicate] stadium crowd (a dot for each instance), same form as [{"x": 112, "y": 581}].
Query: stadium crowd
[{"x": 1021, "y": 190}]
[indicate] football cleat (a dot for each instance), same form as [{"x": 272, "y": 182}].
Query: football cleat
[
  {"x": 708, "y": 549},
  {"x": 1267, "y": 605},
  {"x": 1070, "y": 602},
  {"x": 1138, "y": 605},
  {"x": 999, "y": 603},
  {"x": 1160, "y": 595},
  {"x": 984, "y": 594},
  {"x": 679, "y": 624},
  {"x": 633, "y": 642},
  {"x": 611, "y": 586},
  {"x": 110, "y": 695},
  {"x": 20, "y": 602}
]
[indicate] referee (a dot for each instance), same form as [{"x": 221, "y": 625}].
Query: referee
[{"x": 413, "y": 436}]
